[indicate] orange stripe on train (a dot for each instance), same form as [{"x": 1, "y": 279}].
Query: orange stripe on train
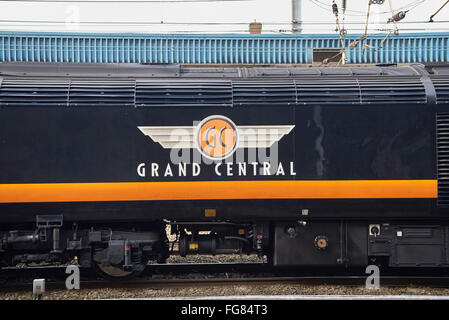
[{"x": 204, "y": 190}]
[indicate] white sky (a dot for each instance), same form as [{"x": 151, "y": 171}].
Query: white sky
[{"x": 265, "y": 11}]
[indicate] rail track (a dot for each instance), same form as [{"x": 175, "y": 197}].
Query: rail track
[
  {"x": 430, "y": 282},
  {"x": 159, "y": 276}
]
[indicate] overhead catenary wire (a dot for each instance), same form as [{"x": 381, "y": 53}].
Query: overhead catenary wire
[
  {"x": 342, "y": 41},
  {"x": 363, "y": 38},
  {"x": 26, "y": 28},
  {"x": 344, "y": 7},
  {"x": 395, "y": 30},
  {"x": 177, "y": 28},
  {"x": 432, "y": 16},
  {"x": 410, "y": 6},
  {"x": 9, "y": 23},
  {"x": 316, "y": 2},
  {"x": 392, "y": 15},
  {"x": 49, "y": 22},
  {"x": 366, "y": 27}
]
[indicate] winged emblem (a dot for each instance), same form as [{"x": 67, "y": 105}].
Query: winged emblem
[{"x": 216, "y": 136}]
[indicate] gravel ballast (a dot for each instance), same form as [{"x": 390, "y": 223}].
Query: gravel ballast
[{"x": 228, "y": 290}]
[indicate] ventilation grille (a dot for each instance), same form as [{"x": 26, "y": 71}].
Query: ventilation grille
[
  {"x": 328, "y": 91},
  {"x": 443, "y": 158},
  {"x": 185, "y": 93},
  {"x": 256, "y": 92},
  {"x": 101, "y": 93},
  {"x": 442, "y": 89},
  {"x": 397, "y": 90},
  {"x": 33, "y": 93},
  {"x": 146, "y": 93}
]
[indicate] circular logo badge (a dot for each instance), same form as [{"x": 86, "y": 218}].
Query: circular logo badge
[{"x": 216, "y": 137}]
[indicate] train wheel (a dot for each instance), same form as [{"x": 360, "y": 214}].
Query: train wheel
[{"x": 115, "y": 273}]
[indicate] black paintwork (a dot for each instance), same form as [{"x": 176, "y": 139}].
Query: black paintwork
[
  {"x": 55, "y": 145},
  {"x": 338, "y": 142},
  {"x": 387, "y": 141}
]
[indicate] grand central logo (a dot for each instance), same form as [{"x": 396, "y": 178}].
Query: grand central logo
[{"x": 217, "y": 138}]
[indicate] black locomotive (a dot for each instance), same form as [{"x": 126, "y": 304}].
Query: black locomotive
[{"x": 308, "y": 166}]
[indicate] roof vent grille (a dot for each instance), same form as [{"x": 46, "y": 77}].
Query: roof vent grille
[
  {"x": 441, "y": 88},
  {"x": 328, "y": 90},
  {"x": 101, "y": 93},
  {"x": 183, "y": 93},
  {"x": 392, "y": 90},
  {"x": 18, "y": 92},
  {"x": 258, "y": 92}
]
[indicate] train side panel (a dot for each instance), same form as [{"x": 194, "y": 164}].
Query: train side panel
[{"x": 84, "y": 157}]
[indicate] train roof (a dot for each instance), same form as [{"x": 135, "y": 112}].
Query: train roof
[
  {"x": 139, "y": 85},
  {"x": 130, "y": 70}
]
